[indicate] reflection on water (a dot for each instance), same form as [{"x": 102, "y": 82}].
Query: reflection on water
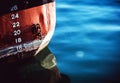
[{"x": 86, "y": 42}]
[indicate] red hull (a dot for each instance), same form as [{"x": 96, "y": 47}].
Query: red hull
[{"x": 16, "y": 28}]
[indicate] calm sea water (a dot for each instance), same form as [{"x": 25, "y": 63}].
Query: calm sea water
[{"x": 86, "y": 41}]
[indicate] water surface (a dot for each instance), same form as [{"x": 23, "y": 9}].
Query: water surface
[{"x": 86, "y": 41}]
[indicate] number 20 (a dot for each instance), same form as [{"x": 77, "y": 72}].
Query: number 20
[{"x": 17, "y": 32}]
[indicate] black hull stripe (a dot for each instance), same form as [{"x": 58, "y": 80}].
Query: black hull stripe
[{"x": 7, "y": 6}]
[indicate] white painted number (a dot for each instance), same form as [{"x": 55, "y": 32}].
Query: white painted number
[
  {"x": 13, "y": 8},
  {"x": 17, "y": 32},
  {"x": 15, "y": 24},
  {"x": 18, "y": 40},
  {"x": 19, "y": 48},
  {"x": 14, "y": 16}
]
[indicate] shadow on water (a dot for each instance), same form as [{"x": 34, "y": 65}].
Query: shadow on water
[{"x": 86, "y": 42}]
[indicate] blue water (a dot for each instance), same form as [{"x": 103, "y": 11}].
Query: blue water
[{"x": 86, "y": 41}]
